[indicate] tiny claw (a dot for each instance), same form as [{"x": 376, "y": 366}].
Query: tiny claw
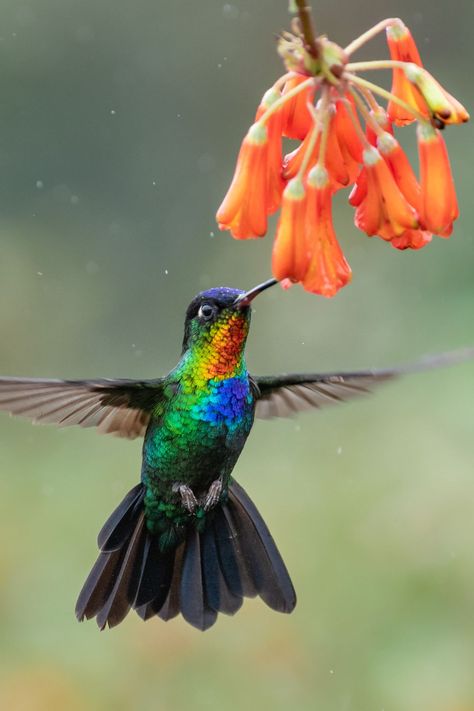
[
  {"x": 188, "y": 499},
  {"x": 213, "y": 495}
]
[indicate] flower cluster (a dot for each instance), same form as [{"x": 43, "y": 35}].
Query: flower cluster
[{"x": 346, "y": 138}]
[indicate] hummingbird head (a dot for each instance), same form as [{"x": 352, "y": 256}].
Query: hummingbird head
[{"x": 217, "y": 324}]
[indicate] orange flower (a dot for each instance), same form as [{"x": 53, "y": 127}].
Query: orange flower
[
  {"x": 411, "y": 239},
  {"x": 401, "y": 169},
  {"x": 403, "y": 49},
  {"x": 381, "y": 118},
  {"x": 347, "y": 135},
  {"x": 297, "y": 120},
  {"x": 381, "y": 208},
  {"x": 443, "y": 107},
  {"x": 340, "y": 165},
  {"x": 328, "y": 270},
  {"x": 275, "y": 182},
  {"x": 244, "y": 208},
  {"x": 439, "y": 207},
  {"x": 290, "y": 253}
]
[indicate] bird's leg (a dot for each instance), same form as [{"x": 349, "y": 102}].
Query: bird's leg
[
  {"x": 188, "y": 499},
  {"x": 213, "y": 495}
]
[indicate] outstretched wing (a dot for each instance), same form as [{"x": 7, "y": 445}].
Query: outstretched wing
[
  {"x": 285, "y": 395},
  {"x": 119, "y": 407}
]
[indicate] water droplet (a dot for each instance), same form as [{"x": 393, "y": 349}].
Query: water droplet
[
  {"x": 166, "y": 272},
  {"x": 211, "y": 234},
  {"x": 113, "y": 112},
  {"x": 92, "y": 268},
  {"x": 39, "y": 273},
  {"x": 339, "y": 450},
  {"x": 230, "y": 12},
  {"x": 39, "y": 184}
]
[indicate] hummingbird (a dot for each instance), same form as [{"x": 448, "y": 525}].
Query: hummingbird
[{"x": 188, "y": 539}]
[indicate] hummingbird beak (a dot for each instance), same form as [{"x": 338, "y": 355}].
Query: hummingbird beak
[{"x": 245, "y": 299}]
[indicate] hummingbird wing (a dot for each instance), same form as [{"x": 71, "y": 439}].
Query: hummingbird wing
[
  {"x": 285, "y": 395},
  {"x": 119, "y": 407}
]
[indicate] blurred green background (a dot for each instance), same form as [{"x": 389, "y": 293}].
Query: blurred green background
[{"x": 119, "y": 126}]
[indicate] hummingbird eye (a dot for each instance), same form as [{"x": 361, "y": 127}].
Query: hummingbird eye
[{"x": 206, "y": 312}]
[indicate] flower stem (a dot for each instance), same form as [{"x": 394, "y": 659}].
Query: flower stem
[
  {"x": 385, "y": 94},
  {"x": 366, "y": 36},
  {"x": 306, "y": 21},
  {"x": 324, "y": 109},
  {"x": 286, "y": 97},
  {"x": 356, "y": 123},
  {"x": 377, "y": 64},
  {"x": 368, "y": 116}
]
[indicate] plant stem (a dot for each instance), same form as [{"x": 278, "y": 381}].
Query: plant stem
[
  {"x": 366, "y": 36},
  {"x": 306, "y": 21},
  {"x": 376, "y": 64},
  {"x": 286, "y": 97},
  {"x": 369, "y": 118},
  {"x": 386, "y": 95}
]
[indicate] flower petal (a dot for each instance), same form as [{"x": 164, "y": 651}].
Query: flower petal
[
  {"x": 244, "y": 208},
  {"x": 290, "y": 254},
  {"x": 328, "y": 270},
  {"x": 439, "y": 207}
]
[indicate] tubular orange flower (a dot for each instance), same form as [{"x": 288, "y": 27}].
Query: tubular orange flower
[
  {"x": 244, "y": 208},
  {"x": 328, "y": 270},
  {"x": 411, "y": 239},
  {"x": 383, "y": 210},
  {"x": 443, "y": 107},
  {"x": 290, "y": 252},
  {"x": 297, "y": 120},
  {"x": 347, "y": 135},
  {"x": 339, "y": 165},
  {"x": 403, "y": 49},
  {"x": 401, "y": 169},
  {"x": 275, "y": 182},
  {"x": 439, "y": 207}
]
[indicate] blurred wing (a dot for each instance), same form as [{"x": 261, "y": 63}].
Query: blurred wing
[
  {"x": 119, "y": 407},
  {"x": 285, "y": 395}
]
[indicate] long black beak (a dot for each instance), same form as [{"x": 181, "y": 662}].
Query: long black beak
[{"x": 245, "y": 299}]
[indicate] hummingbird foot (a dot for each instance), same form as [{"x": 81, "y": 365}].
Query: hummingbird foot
[
  {"x": 188, "y": 499},
  {"x": 213, "y": 495}
]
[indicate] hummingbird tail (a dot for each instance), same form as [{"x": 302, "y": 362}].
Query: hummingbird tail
[{"x": 210, "y": 571}]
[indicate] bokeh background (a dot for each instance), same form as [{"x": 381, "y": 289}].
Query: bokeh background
[{"x": 119, "y": 126}]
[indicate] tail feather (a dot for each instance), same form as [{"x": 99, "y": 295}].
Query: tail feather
[
  {"x": 119, "y": 526},
  {"x": 192, "y": 593},
  {"x": 211, "y": 571},
  {"x": 171, "y": 606},
  {"x": 274, "y": 583},
  {"x": 155, "y": 575},
  {"x": 126, "y": 582},
  {"x": 98, "y": 585},
  {"x": 218, "y": 595}
]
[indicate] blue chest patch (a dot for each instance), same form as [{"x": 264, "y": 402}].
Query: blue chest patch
[{"x": 228, "y": 402}]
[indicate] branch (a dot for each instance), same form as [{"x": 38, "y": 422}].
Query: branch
[{"x": 306, "y": 22}]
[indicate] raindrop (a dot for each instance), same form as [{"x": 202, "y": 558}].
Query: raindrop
[
  {"x": 39, "y": 184},
  {"x": 230, "y": 12}
]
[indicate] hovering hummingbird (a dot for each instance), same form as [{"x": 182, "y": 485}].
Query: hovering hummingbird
[{"x": 187, "y": 539}]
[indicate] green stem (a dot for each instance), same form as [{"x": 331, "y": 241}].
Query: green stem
[
  {"x": 366, "y": 36},
  {"x": 306, "y": 21},
  {"x": 286, "y": 97},
  {"x": 385, "y": 94},
  {"x": 368, "y": 117},
  {"x": 376, "y": 64}
]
